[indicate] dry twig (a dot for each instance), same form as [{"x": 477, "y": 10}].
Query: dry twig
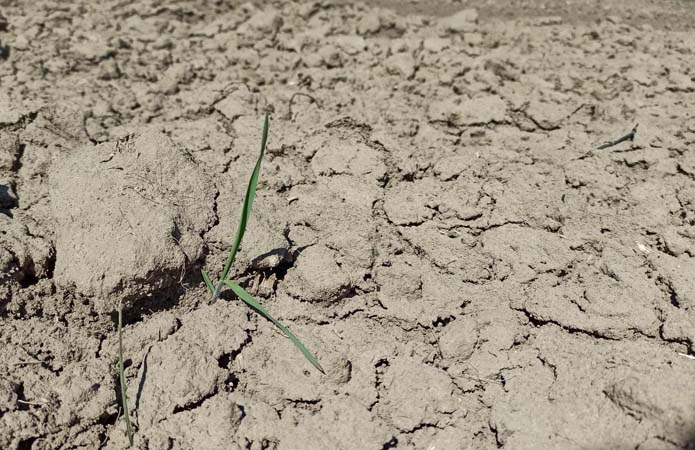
[{"x": 628, "y": 137}]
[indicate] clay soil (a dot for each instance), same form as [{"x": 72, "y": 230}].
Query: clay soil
[{"x": 434, "y": 220}]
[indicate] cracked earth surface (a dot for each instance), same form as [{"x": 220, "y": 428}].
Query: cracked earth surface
[{"x": 433, "y": 220}]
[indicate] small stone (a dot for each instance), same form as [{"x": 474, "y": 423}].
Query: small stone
[
  {"x": 446, "y": 78},
  {"x": 680, "y": 82},
  {"x": 209, "y": 30},
  {"x": 93, "y": 50},
  {"x": 548, "y": 115},
  {"x": 102, "y": 109},
  {"x": 316, "y": 276},
  {"x": 675, "y": 243},
  {"x": 270, "y": 260},
  {"x": 435, "y": 44},
  {"x": 108, "y": 70},
  {"x": 265, "y": 21},
  {"x": 312, "y": 60},
  {"x": 402, "y": 64},
  {"x": 351, "y": 44},
  {"x": 331, "y": 56},
  {"x": 468, "y": 213},
  {"x": 162, "y": 43},
  {"x": 174, "y": 75},
  {"x": 465, "y": 20},
  {"x": 398, "y": 45},
  {"x": 473, "y": 38},
  {"x": 458, "y": 342},
  {"x": 20, "y": 43},
  {"x": 369, "y": 24}
]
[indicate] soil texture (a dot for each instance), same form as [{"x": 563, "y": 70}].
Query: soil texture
[{"x": 434, "y": 220}]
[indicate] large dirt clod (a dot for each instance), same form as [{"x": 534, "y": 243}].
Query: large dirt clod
[{"x": 129, "y": 216}]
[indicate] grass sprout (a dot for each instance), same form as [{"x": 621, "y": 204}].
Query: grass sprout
[
  {"x": 215, "y": 289},
  {"x": 121, "y": 376}
]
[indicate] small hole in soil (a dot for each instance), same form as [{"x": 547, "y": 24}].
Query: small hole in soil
[
  {"x": 232, "y": 382},
  {"x": 26, "y": 444},
  {"x": 20, "y": 396},
  {"x": 29, "y": 279},
  {"x": 226, "y": 359},
  {"x": 443, "y": 321},
  {"x": 393, "y": 443},
  {"x": 674, "y": 299}
]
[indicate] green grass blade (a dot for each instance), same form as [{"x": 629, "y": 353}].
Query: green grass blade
[
  {"x": 248, "y": 201},
  {"x": 121, "y": 376},
  {"x": 208, "y": 282},
  {"x": 253, "y": 303}
]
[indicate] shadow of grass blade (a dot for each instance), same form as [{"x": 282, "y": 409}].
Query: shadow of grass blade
[
  {"x": 247, "y": 207},
  {"x": 249, "y": 300},
  {"x": 208, "y": 282},
  {"x": 121, "y": 376}
]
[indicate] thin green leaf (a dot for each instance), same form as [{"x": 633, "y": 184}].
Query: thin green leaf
[
  {"x": 248, "y": 201},
  {"x": 253, "y": 303},
  {"x": 208, "y": 282},
  {"x": 121, "y": 376}
]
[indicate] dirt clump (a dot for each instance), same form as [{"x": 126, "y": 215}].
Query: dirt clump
[{"x": 434, "y": 219}]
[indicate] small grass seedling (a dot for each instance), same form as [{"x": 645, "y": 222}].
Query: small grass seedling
[
  {"x": 238, "y": 290},
  {"x": 121, "y": 376}
]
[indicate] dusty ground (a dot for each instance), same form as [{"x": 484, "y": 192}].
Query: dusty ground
[{"x": 432, "y": 221}]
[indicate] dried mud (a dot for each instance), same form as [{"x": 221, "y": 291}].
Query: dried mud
[{"x": 433, "y": 220}]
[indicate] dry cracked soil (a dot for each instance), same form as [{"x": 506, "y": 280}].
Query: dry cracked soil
[{"x": 434, "y": 219}]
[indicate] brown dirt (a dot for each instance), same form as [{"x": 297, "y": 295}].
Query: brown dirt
[{"x": 433, "y": 219}]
